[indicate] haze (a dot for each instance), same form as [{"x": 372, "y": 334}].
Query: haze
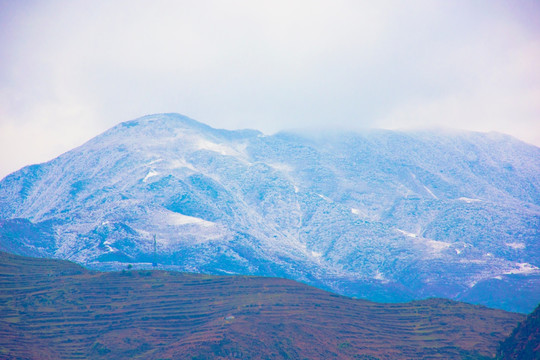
[{"x": 71, "y": 69}]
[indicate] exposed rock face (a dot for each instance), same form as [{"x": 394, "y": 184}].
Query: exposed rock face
[{"x": 383, "y": 214}]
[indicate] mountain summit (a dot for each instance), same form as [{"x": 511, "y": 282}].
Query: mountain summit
[{"x": 384, "y": 215}]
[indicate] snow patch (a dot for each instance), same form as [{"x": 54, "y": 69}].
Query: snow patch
[
  {"x": 468, "y": 200},
  {"x": 180, "y": 164},
  {"x": 406, "y": 233},
  {"x": 219, "y": 148},
  {"x": 176, "y": 219},
  {"x": 325, "y": 198},
  {"x": 107, "y": 244},
  {"x": 522, "y": 268},
  {"x": 434, "y": 247},
  {"x": 516, "y": 245},
  {"x": 430, "y": 192},
  {"x": 472, "y": 261},
  {"x": 227, "y": 272},
  {"x": 150, "y": 174},
  {"x": 281, "y": 167},
  {"x": 154, "y": 161},
  {"x": 379, "y": 276}
]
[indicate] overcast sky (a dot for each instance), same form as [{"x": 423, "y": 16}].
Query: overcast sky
[{"x": 69, "y": 70}]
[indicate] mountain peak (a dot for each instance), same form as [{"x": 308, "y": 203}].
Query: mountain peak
[
  {"x": 172, "y": 120},
  {"x": 172, "y": 124}
]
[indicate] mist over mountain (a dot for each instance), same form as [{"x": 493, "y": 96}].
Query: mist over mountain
[{"x": 384, "y": 215}]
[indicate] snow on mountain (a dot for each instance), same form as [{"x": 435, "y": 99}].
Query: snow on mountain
[{"x": 385, "y": 215}]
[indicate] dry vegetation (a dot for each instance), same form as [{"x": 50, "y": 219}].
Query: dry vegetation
[{"x": 52, "y": 309}]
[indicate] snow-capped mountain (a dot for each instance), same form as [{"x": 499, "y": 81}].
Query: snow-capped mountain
[{"x": 385, "y": 215}]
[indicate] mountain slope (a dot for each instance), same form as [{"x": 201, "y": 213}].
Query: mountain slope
[
  {"x": 385, "y": 215},
  {"x": 51, "y": 309},
  {"x": 524, "y": 342}
]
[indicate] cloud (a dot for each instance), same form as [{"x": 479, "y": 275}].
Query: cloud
[{"x": 83, "y": 66}]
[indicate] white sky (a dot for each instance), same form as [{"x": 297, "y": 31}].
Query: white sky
[{"x": 69, "y": 69}]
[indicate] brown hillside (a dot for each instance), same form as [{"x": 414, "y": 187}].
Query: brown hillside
[
  {"x": 53, "y": 309},
  {"x": 524, "y": 342}
]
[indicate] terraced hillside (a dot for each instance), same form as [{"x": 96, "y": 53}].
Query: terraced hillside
[{"x": 51, "y": 309}]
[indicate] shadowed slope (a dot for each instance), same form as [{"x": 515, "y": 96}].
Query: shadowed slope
[
  {"x": 524, "y": 343},
  {"x": 52, "y": 309}
]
